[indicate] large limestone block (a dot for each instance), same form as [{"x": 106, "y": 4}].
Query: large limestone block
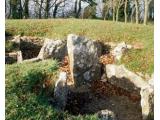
[
  {"x": 84, "y": 59},
  {"x": 53, "y": 49}
]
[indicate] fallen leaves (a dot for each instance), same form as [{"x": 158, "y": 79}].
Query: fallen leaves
[
  {"x": 65, "y": 68},
  {"x": 107, "y": 89},
  {"x": 106, "y": 59}
]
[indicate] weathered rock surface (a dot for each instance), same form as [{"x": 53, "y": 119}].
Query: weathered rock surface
[
  {"x": 35, "y": 40},
  {"x": 13, "y": 57},
  {"x": 147, "y": 101},
  {"x": 19, "y": 57},
  {"x": 119, "y": 76},
  {"x": 55, "y": 49},
  {"x": 151, "y": 80},
  {"x": 61, "y": 91},
  {"x": 32, "y": 60},
  {"x": 106, "y": 115},
  {"x": 16, "y": 39},
  {"x": 120, "y": 48},
  {"x": 84, "y": 59}
]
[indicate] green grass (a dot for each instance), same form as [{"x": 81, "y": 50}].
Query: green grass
[
  {"x": 138, "y": 61},
  {"x": 27, "y": 99}
]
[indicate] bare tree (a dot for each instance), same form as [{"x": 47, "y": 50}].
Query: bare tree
[
  {"x": 47, "y": 8},
  {"x": 146, "y": 6},
  {"x": 125, "y": 11},
  {"x": 38, "y": 8},
  {"x": 114, "y": 9},
  {"x": 118, "y": 3},
  {"x": 107, "y": 5},
  {"x": 137, "y": 10},
  {"x": 57, "y": 3},
  {"x": 26, "y": 9},
  {"x": 77, "y": 8}
]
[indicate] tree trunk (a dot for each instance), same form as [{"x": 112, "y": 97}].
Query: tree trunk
[
  {"x": 77, "y": 10},
  {"x": 63, "y": 10},
  {"x": 105, "y": 14},
  {"x": 20, "y": 10},
  {"x": 146, "y": 5},
  {"x": 26, "y": 9},
  {"x": 117, "y": 14},
  {"x": 47, "y": 8},
  {"x": 55, "y": 11},
  {"x": 137, "y": 11},
  {"x": 39, "y": 14},
  {"x": 113, "y": 10},
  {"x": 125, "y": 11},
  {"x": 5, "y": 6},
  {"x": 13, "y": 5},
  {"x": 10, "y": 10},
  {"x": 132, "y": 14},
  {"x": 40, "y": 10},
  {"x": 114, "y": 15}
]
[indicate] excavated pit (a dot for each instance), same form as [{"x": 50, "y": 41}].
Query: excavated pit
[
  {"x": 29, "y": 49},
  {"x": 102, "y": 95},
  {"x": 124, "y": 106}
]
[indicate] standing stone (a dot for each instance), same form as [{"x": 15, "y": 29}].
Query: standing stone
[
  {"x": 55, "y": 49},
  {"x": 61, "y": 91},
  {"x": 84, "y": 59}
]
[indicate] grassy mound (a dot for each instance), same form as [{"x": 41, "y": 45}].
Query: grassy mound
[
  {"x": 29, "y": 87},
  {"x": 137, "y": 60}
]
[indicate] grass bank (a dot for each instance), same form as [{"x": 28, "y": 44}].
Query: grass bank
[
  {"x": 137, "y": 60},
  {"x": 29, "y": 87}
]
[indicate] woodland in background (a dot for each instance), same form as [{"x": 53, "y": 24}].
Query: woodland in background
[{"x": 138, "y": 11}]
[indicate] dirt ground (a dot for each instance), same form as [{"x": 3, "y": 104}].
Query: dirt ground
[{"x": 90, "y": 103}]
